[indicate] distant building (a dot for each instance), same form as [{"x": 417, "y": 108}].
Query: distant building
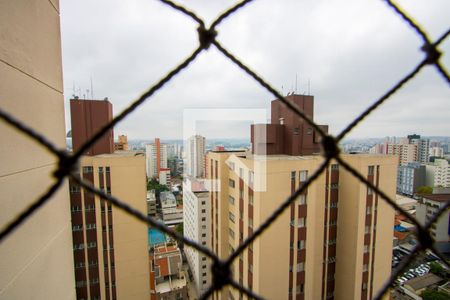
[
  {"x": 87, "y": 117},
  {"x": 164, "y": 176},
  {"x": 436, "y": 151},
  {"x": 156, "y": 158},
  {"x": 406, "y": 153},
  {"x": 410, "y": 178},
  {"x": 175, "y": 151},
  {"x": 168, "y": 280},
  {"x": 151, "y": 203},
  {"x": 438, "y": 173},
  {"x": 171, "y": 212},
  {"x": 195, "y": 156},
  {"x": 426, "y": 208},
  {"x": 196, "y": 224},
  {"x": 122, "y": 144},
  {"x": 423, "y": 147}
]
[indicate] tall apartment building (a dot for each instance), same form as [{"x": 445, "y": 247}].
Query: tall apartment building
[
  {"x": 436, "y": 152},
  {"x": 36, "y": 259},
  {"x": 427, "y": 208},
  {"x": 406, "y": 152},
  {"x": 410, "y": 178},
  {"x": 156, "y": 158},
  {"x": 196, "y": 225},
  {"x": 109, "y": 245},
  {"x": 195, "y": 156},
  {"x": 423, "y": 147},
  {"x": 335, "y": 240},
  {"x": 438, "y": 173}
]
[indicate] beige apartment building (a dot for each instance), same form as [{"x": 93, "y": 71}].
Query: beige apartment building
[
  {"x": 335, "y": 240},
  {"x": 36, "y": 259},
  {"x": 110, "y": 246},
  {"x": 406, "y": 152}
]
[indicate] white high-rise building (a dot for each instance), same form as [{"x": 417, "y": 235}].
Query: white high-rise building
[
  {"x": 438, "y": 173},
  {"x": 195, "y": 156},
  {"x": 436, "y": 152},
  {"x": 156, "y": 158},
  {"x": 196, "y": 224}
]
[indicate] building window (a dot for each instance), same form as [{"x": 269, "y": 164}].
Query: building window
[
  {"x": 77, "y": 227},
  {"x": 369, "y": 210},
  {"x": 250, "y": 199},
  {"x": 230, "y": 165},
  {"x": 303, "y": 175},
  {"x": 366, "y": 229},
  {"x": 300, "y": 288},
  {"x": 250, "y": 223},
  {"x": 293, "y": 175},
  {"x": 365, "y": 268},
  {"x": 74, "y": 189},
  {"x": 231, "y": 199},
  {"x": 107, "y": 169},
  {"x": 302, "y": 199},
  {"x": 301, "y": 222},
  {"x": 203, "y": 211},
  {"x": 369, "y": 191},
  {"x": 364, "y": 286},
  {"x": 87, "y": 169},
  {"x": 231, "y": 183},
  {"x": 334, "y": 167},
  {"x": 301, "y": 267},
  {"x": 251, "y": 178},
  {"x": 301, "y": 244},
  {"x": 231, "y": 216},
  {"x": 241, "y": 173},
  {"x": 100, "y": 169},
  {"x": 231, "y": 233},
  {"x": 371, "y": 170},
  {"x": 366, "y": 248},
  {"x": 241, "y": 194},
  {"x": 90, "y": 226}
]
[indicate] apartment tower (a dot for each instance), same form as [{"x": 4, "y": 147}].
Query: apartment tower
[
  {"x": 156, "y": 158},
  {"x": 109, "y": 245},
  {"x": 36, "y": 259},
  {"x": 195, "y": 156},
  {"x": 196, "y": 224},
  {"x": 329, "y": 244}
]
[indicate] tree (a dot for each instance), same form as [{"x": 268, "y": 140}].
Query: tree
[
  {"x": 423, "y": 190},
  {"x": 154, "y": 185},
  {"x": 434, "y": 295},
  {"x": 437, "y": 269},
  {"x": 179, "y": 228}
]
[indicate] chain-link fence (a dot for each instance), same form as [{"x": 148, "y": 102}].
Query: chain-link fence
[{"x": 221, "y": 274}]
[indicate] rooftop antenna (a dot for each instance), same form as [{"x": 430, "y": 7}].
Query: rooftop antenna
[
  {"x": 309, "y": 87},
  {"x": 282, "y": 92},
  {"x": 92, "y": 89}
]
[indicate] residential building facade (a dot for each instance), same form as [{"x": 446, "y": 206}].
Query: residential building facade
[
  {"x": 36, "y": 259},
  {"x": 427, "y": 208},
  {"x": 438, "y": 173},
  {"x": 410, "y": 177},
  {"x": 195, "y": 156},
  {"x": 122, "y": 143},
  {"x": 156, "y": 158},
  {"x": 196, "y": 225}
]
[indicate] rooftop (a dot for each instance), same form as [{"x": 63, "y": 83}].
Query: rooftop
[
  {"x": 423, "y": 281},
  {"x": 438, "y": 197}
]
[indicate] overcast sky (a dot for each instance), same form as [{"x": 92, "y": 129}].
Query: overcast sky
[{"x": 350, "y": 52}]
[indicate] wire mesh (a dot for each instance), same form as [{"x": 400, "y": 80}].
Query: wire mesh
[{"x": 67, "y": 163}]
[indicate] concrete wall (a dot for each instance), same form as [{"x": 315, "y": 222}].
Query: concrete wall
[{"x": 36, "y": 260}]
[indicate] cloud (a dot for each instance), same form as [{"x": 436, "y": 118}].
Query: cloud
[{"x": 347, "y": 53}]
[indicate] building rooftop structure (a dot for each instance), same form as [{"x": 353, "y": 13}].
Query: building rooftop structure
[{"x": 419, "y": 283}]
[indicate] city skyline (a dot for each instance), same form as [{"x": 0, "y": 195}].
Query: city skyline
[{"x": 345, "y": 67}]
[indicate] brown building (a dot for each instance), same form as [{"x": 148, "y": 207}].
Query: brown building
[
  {"x": 36, "y": 259},
  {"x": 88, "y": 117},
  {"x": 288, "y": 133}
]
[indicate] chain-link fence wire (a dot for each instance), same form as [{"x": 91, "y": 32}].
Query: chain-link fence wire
[{"x": 221, "y": 269}]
